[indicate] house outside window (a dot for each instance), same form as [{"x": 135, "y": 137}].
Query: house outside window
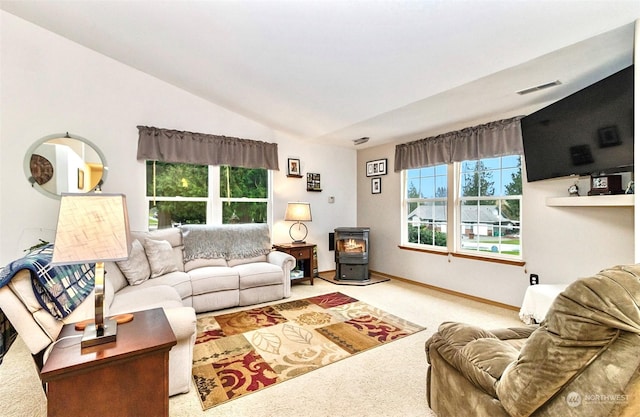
[
  {"x": 426, "y": 205},
  {"x": 179, "y": 193},
  {"x": 483, "y": 217},
  {"x": 489, "y": 210}
]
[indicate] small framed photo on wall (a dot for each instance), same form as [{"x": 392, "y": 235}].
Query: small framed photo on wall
[
  {"x": 377, "y": 167},
  {"x": 376, "y": 185},
  {"x": 293, "y": 168},
  {"x": 313, "y": 182}
]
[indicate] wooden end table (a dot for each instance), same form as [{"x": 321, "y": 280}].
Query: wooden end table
[
  {"x": 306, "y": 257},
  {"x": 129, "y": 377}
]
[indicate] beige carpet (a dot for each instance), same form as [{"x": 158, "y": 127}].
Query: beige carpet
[{"x": 390, "y": 377}]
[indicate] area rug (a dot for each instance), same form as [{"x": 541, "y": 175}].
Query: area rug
[{"x": 243, "y": 352}]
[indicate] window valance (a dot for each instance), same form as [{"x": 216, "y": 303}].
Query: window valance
[
  {"x": 499, "y": 138},
  {"x": 198, "y": 148}
]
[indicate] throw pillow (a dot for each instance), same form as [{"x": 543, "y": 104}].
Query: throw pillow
[
  {"x": 136, "y": 269},
  {"x": 160, "y": 255}
]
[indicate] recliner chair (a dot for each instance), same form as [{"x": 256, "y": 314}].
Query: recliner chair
[{"x": 583, "y": 360}]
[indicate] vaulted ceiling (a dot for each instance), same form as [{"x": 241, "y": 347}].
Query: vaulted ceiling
[{"x": 337, "y": 70}]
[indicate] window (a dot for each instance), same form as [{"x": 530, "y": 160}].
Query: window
[
  {"x": 483, "y": 214},
  {"x": 489, "y": 209},
  {"x": 426, "y": 205},
  {"x": 179, "y": 193}
]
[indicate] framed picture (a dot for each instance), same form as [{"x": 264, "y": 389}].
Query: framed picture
[
  {"x": 293, "y": 168},
  {"x": 376, "y": 185},
  {"x": 377, "y": 167},
  {"x": 313, "y": 182}
]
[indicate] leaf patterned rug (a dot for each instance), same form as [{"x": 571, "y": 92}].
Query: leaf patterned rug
[{"x": 243, "y": 352}]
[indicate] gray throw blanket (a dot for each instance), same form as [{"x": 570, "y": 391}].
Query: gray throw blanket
[{"x": 227, "y": 241}]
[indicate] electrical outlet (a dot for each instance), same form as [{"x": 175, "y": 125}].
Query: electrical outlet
[{"x": 533, "y": 279}]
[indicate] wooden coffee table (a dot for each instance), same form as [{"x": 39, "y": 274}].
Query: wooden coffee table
[{"x": 129, "y": 377}]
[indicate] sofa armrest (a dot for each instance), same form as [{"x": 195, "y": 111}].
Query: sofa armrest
[
  {"x": 477, "y": 354},
  {"x": 514, "y": 332},
  {"x": 182, "y": 321},
  {"x": 283, "y": 260},
  {"x": 287, "y": 263}
]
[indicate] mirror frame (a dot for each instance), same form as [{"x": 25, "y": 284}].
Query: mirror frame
[{"x": 39, "y": 142}]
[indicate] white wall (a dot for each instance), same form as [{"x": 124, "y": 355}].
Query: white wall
[
  {"x": 336, "y": 167},
  {"x": 51, "y": 85},
  {"x": 560, "y": 244}
]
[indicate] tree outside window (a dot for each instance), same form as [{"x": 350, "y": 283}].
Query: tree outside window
[
  {"x": 243, "y": 183},
  {"x": 180, "y": 193}
]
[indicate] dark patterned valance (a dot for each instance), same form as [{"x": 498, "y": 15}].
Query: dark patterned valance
[
  {"x": 503, "y": 137},
  {"x": 198, "y": 148}
]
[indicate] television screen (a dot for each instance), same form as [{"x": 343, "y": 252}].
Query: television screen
[{"x": 588, "y": 132}]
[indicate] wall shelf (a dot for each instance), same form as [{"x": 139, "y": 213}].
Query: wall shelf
[{"x": 620, "y": 200}]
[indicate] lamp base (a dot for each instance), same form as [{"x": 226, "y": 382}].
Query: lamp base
[
  {"x": 300, "y": 226},
  {"x": 91, "y": 337}
]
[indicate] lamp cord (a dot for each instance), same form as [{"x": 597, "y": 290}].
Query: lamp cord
[{"x": 47, "y": 352}]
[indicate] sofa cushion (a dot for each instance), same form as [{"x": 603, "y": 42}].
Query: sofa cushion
[
  {"x": 179, "y": 280},
  {"x": 114, "y": 275},
  {"x": 136, "y": 268},
  {"x": 258, "y": 274},
  {"x": 490, "y": 355},
  {"x": 171, "y": 235},
  {"x": 241, "y": 261},
  {"x": 137, "y": 298},
  {"x": 199, "y": 263},
  {"x": 160, "y": 255},
  {"x": 212, "y": 279}
]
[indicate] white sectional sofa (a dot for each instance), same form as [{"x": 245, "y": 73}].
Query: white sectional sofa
[{"x": 185, "y": 270}]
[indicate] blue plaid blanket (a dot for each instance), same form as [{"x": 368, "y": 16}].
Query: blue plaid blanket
[{"x": 58, "y": 289}]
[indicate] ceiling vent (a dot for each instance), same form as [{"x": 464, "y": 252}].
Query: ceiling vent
[
  {"x": 539, "y": 87},
  {"x": 361, "y": 140}
]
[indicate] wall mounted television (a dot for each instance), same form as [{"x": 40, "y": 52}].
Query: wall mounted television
[{"x": 588, "y": 132}]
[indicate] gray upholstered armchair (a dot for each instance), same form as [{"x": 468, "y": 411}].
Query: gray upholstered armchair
[{"x": 583, "y": 360}]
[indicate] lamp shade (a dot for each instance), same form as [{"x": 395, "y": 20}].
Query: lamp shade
[
  {"x": 298, "y": 212},
  {"x": 91, "y": 228}
]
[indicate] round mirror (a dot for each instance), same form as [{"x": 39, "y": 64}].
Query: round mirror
[{"x": 64, "y": 163}]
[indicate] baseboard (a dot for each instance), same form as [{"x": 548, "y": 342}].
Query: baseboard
[{"x": 440, "y": 289}]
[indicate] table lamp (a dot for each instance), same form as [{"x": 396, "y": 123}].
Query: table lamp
[
  {"x": 298, "y": 212},
  {"x": 93, "y": 228}
]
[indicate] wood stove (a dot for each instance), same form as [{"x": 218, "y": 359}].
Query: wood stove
[{"x": 351, "y": 246}]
